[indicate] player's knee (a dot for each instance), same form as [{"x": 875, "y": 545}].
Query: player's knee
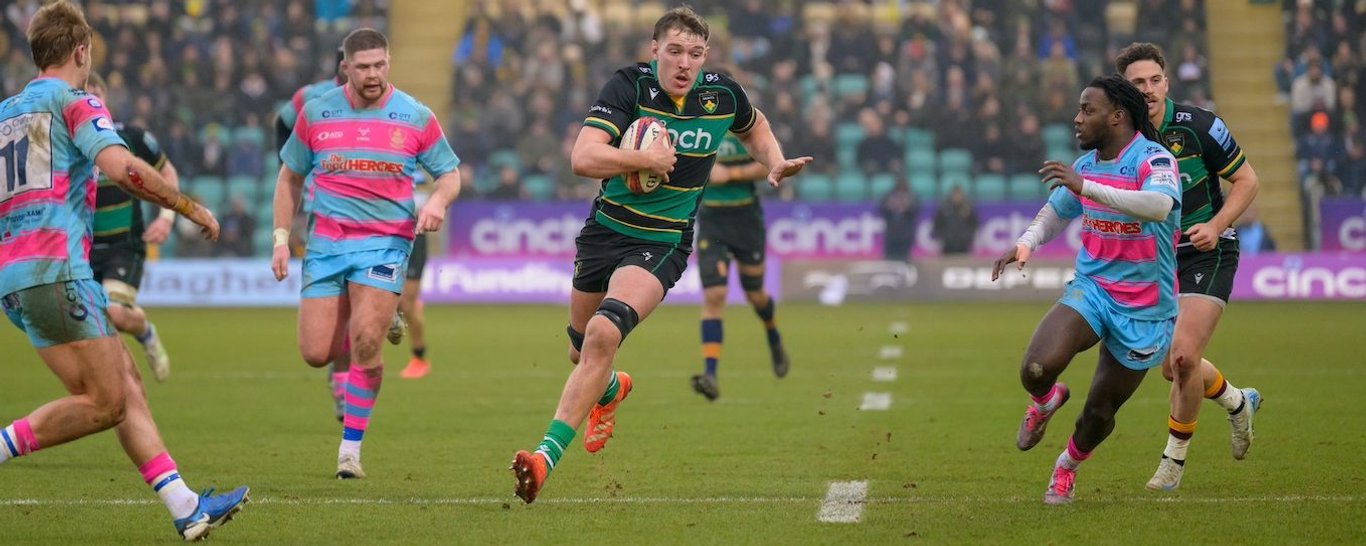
[
  {"x": 366, "y": 349},
  {"x": 620, "y": 315},
  {"x": 315, "y": 355},
  {"x": 714, "y": 298},
  {"x": 757, "y": 297},
  {"x": 110, "y": 404},
  {"x": 1032, "y": 373},
  {"x": 752, "y": 283},
  {"x": 1098, "y": 414}
]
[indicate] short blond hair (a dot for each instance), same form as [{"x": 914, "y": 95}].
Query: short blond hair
[{"x": 56, "y": 30}]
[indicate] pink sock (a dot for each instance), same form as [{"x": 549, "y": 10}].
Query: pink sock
[
  {"x": 1042, "y": 401},
  {"x": 159, "y": 466},
  {"x": 1076, "y": 454},
  {"x": 17, "y": 440},
  {"x": 339, "y": 383},
  {"x": 362, "y": 387},
  {"x": 161, "y": 474}
]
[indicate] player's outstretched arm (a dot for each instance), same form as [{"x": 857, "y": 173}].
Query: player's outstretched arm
[
  {"x": 763, "y": 146},
  {"x": 289, "y": 186},
  {"x": 433, "y": 213},
  {"x": 144, "y": 182},
  {"x": 748, "y": 172},
  {"x": 594, "y": 156}
]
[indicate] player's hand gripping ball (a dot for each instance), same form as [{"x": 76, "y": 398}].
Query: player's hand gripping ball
[{"x": 641, "y": 135}]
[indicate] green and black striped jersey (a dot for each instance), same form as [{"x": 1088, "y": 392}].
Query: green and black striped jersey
[
  {"x": 1205, "y": 152},
  {"x": 736, "y": 193},
  {"x": 697, "y": 125},
  {"x": 118, "y": 215}
]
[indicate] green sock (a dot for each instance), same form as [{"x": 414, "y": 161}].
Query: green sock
[
  {"x": 611, "y": 393},
  {"x": 557, "y": 438}
]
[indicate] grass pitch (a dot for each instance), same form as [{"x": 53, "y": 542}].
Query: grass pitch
[{"x": 752, "y": 468}]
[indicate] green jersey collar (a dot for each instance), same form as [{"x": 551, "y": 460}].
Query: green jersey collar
[{"x": 1167, "y": 115}]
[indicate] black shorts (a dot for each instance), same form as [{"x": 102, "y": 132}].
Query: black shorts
[
  {"x": 118, "y": 263},
  {"x": 417, "y": 261},
  {"x": 601, "y": 251},
  {"x": 726, "y": 235},
  {"x": 1208, "y": 273}
]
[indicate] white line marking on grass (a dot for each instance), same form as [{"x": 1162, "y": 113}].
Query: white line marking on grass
[
  {"x": 884, "y": 374},
  {"x": 898, "y": 328},
  {"x": 953, "y": 501},
  {"x": 876, "y": 401},
  {"x": 889, "y": 352},
  {"x": 844, "y": 502}
]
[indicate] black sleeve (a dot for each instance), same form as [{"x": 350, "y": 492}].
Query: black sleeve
[
  {"x": 144, "y": 146},
  {"x": 615, "y": 108},
  {"x": 281, "y": 134},
  {"x": 1219, "y": 151},
  {"x": 745, "y": 114}
]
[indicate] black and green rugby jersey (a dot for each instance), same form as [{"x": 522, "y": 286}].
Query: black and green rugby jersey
[
  {"x": 736, "y": 193},
  {"x": 118, "y": 215},
  {"x": 1205, "y": 152},
  {"x": 697, "y": 125}
]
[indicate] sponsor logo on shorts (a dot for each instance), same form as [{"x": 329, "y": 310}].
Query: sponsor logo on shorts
[
  {"x": 1199, "y": 277},
  {"x": 648, "y": 256},
  {"x": 1142, "y": 355},
  {"x": 385, "y": 273}
]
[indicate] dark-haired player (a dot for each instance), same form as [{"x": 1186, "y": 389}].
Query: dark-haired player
[
  {"x": 1127, "y": 191},
  {"x": 634, "y": 247},
  {"x": 731, "y": 227},
  {"x": 1206, "y": 257}
]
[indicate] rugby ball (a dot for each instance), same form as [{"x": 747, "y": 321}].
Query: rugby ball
[{"x": 640, "y": 136}]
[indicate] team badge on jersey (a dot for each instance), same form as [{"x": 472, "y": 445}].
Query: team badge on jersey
[
  {"x": 396, "y": 139},
  {"x": 708, "y": 100},
  {"x": 1175, "y": 142}
]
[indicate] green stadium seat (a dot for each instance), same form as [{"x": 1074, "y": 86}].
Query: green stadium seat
[
  {"x": 261, "y": 241},
  {"x": 539, "y": 186},
  {"x": 485, "y": 181},
  {"x": 814, "y": 187},
  {"x": 246, "y": 187},
  {"x": 1058, "y": 135},
  {"x": 503, "y": 158},
  {"x": 848, "y": 133},
  {"x": 1027, "y": 187},
  {"x": 851, "y": 84},
  {"x": 955, "y": 160},
  {"x": 879, "y": 185},
  {"x": 208, "y": 189},
  {"x": 846, "y": 156},
  {"x": 921, "y": 160},
  {"x": 919, "y": 138},
  {"x": 249, "y": 134},
  {"x": 990, "y": 187},
  {"x": 850, "y": 186},
  {"x": 925, "y": 186},
  {"x": 1064, "y": 154}
]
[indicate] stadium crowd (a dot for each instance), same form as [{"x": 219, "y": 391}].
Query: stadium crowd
[
  {"x": 1321, "y": 77},
  {"x": 930, "y": 96}
]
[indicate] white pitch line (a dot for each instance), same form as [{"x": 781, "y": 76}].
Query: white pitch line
[
  {"x": 890, "y": 352},
  {"x": 876, "y": 401},
  {"x": 952, "y": 501},
  {"x": 844, "y": 502},
  {"x": 884, "y": 374}
]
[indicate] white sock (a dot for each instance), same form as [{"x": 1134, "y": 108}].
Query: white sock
[
  {"x": 349, "y": 447},
  {"x": 1176, "y": 448},
  {"x": 1066, "y": 461},
  {"x": 1054, "y": 400},
  {"x": 1232, "y": 398},
  {"x": 177, "y": 497}
]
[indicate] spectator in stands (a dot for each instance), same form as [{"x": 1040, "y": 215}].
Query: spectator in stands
[
  {"x": 1313, "y": 89},
  {"x": 877, "y": 152},
  {"x": 1318, "y": 144},
  {"x": 1352, "y": 167},
  {"x": 990, "y": 152},
  {"x": 1058, "y": 71},
  {"x": 1320, "y": 181},
  {"x": 955, "y": 223},
  {"x": 1253, "y": 236},
  {"x": 1028, "y": 151},
  {"x": 213, "y": 158},
  {"x": 851, "y": 44},
  {"x": 509, "y": 186},
  {"x": 1191, "y": 71},
  {"x": 237, "y": 229},
  {"x": 818, "y": 141},
  {"x": 900, "y": 211}
]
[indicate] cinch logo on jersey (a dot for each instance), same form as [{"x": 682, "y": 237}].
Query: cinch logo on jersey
[
  {"x": 693, "y": 139},
  {"x": 336, "y": 163},
  {"x": 1110, "y": 226}
]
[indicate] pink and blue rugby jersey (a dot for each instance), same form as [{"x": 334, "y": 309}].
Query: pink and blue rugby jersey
[
  {"x": 49, "y": 136},
  {"x": 1131, "y": 261},
  {"x": 363, "y": 163},
  {"x": 289, "y": 111}
]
